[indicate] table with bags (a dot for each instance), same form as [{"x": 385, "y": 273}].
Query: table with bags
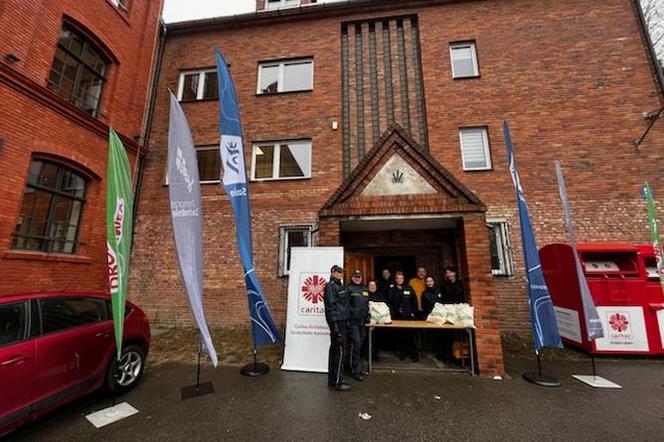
[{"x": 442, "y": 317}]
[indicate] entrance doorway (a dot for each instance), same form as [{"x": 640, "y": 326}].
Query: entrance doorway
[{"x": 407, "y": 264}]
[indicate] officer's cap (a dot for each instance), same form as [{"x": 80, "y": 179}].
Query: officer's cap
[{"x": 357, "y": 273}]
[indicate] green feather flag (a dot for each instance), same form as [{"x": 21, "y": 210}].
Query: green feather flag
[
  {"x": 119, "y": 207},
  {"x": 654, "y": 232}
]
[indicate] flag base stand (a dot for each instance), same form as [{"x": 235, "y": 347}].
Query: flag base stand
[
  {"x": 112, "y": 414},
  {"x": 255, "y": 369},
  {"x": 540, "y": 379},
  {"x": 197, "y": 389},
  {"x": 595, "y": 381}
]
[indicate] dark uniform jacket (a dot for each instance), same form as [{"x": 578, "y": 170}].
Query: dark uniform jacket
[
  {"x": 359, "y": 303},
  {"x": 403, "y": 302},
  {"x": 336, "y": 303},
  {"x": 384, "y": 286},
  {"x": 377, "y": 296},
  {"x": 430, "y": 297},
  {"x": 453, "y": 292}
]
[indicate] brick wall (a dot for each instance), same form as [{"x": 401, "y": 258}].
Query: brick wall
[
  {"x": 572, "y": 77},
  {"x": 34, "y": 121}
]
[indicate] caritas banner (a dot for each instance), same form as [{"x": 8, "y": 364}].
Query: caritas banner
[{"x": 307, "y": 334}]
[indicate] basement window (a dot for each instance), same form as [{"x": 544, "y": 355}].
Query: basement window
[
  {"x": 198, "y": 85},
  {"x": 281, "y": 160},
  {"x": 292, "y": 236},
  {"x": 285, "y": 76},
  {"x": 501, "y": 249}
]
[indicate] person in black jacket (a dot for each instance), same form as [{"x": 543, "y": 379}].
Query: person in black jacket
[
  {"x": 404, "y": 304},
  {"x": 453, "y": 289},
  {"x": 359, "y": 317},
  {"x": 454, "y": 292},
  {"x": 385, "y": 282},
  {"x": 336, "y": 315},
  {"x": 375, "y": 295},
  {"x": 430, "y": 297}
]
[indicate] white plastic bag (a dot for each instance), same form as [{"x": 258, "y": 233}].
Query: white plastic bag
[
  {"x": 456, "y": 314},
  {"x": 380, "y": 313},
  {"x": 465, "y": 315},
  {"x": 439, "y": 314}
]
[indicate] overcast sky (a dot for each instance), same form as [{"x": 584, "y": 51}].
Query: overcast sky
[{"x": 181, "y": 10}]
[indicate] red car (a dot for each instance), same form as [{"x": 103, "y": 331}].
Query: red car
[{"x": 55, "y": 347}]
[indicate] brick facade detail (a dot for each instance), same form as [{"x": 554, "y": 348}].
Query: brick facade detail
[{"x": 35, "y": 121}]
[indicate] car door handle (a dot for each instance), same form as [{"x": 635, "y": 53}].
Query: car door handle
[
  {"x": 14, "y": 360},
  {"x": 104, "y": 334}
]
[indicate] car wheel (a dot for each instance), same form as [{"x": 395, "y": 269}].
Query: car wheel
[{"x": 123, "y": 375}]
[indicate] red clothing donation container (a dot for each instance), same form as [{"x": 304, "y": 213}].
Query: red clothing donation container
[{"x": 625, "y": 286}]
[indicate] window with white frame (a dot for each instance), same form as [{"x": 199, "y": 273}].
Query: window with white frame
[
  {"x": 464, "y": 60},
  {"x": 292, "y": 236},
  {"x": 120, "y": 3},
  {"x": 501, "y": 249},
  {"x": 285, "y": 76},
  {"x": 198, "y": 85},
  {"x": 209, "y": 164},
  {"x": 281, "y": 160},
  {"x": 475, "y": 151},
  {"x": 277, "y": 4}
]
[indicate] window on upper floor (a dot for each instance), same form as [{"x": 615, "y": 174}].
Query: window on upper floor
[
  {"x": 122, "y": 4},
  {"x": 464, "y": 60},
  {"x": 501, "y": 249},
  {"x": 50, "y": 214},
  {"x": 79, "y": 70},
  {"x": 475, "y": 151},
  {"x": 292, "y": 236},
  {"x": 198, "y": 84},
  {"x": 285, "y": 76},
  {"x": 277, "y": 4},
  {"x": 281, "y": 160},
  {"x": 209, "y": 164}
]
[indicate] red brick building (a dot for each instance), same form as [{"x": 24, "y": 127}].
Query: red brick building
[
  {"x": 68, "y": 70},
  {"x": 377, "y": 125}
]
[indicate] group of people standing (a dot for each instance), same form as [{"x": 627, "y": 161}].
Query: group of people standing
[{"x": 347, "y": 313}]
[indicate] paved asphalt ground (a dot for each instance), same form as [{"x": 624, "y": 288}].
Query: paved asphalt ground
[{"x": 298, "y": 406}]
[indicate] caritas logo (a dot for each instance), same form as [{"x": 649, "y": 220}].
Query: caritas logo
[
  {"x": 312, "y": 292},
  {"x": 619, "y": 322}
]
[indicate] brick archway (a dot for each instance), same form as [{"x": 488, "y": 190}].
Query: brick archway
[{"x": 398, "y": 179}]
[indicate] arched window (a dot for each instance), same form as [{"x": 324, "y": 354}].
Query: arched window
[
  {"x": 79, "y": 70},
  {"x": 50, "y": 215}
]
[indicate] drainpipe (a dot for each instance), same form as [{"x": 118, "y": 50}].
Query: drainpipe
[
  {"x": 147, "y": 129},
  {"x": 650, "y": 47}
]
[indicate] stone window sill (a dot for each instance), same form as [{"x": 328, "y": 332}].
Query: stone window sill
[{"x": 40, "y": 256}]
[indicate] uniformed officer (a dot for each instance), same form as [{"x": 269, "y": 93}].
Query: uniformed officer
[
  {"x": 336, "y": 315},
  {"x": 359, "y": 317},
  {"x": 403, "y": 301},
  {"x": 385, "y": 282}
]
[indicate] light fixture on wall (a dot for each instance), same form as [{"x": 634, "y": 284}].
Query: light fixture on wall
[{"x": 11, "y": 57}]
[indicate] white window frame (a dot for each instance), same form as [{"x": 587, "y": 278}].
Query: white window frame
[
  {"x": 208, "y": 147},
  {"x": 487, "y": 149},
  {"x": 122, "y": 4},
  {"x": 201, "y": 82},
  {"x": 276, "y": 160},
  {"x": 280, "y": 79},
  {"x": 460, "y": 45},
  {"x": 282, "y": 4},
  {"x": 283, "y": 243},
  {"x": 503, "y": 245}
]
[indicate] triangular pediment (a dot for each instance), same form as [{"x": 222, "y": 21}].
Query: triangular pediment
[
  {"x": 398, "y": 170},
  {"x": 397, "y": 177}
]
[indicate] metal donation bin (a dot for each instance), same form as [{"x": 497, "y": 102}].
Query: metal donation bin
[{"x": 625, "y": 286}]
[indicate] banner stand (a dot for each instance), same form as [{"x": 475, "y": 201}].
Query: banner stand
[
  {"x": 114, "y": 413},
  {"x": 255, "y": 369},
  {"x": 594, "y": 380},
  {"x": 540, "y": 379},
  {"x": 197, "y": 389}
]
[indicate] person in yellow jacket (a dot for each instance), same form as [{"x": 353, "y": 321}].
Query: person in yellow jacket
[{"x": 418, "y": 285}]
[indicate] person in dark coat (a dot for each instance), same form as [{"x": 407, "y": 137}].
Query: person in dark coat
[
  {"x": 431, "y": 296},
  {"x": 359, "y": 317},
  {"x": 375, "y": 295},
  {"x": 454, "y": 292},
  {"x": 404, "y": 303},
  {"x": 453, "y": 288},
  {"x": 385, "y": 282},
  {"x": 337, "y": 315}
]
